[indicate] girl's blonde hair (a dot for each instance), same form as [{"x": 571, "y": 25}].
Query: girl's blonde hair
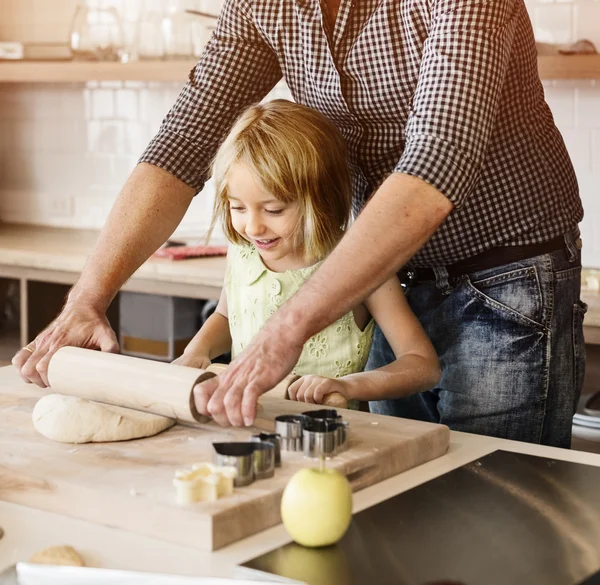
[{"x": 296, "y": 154}]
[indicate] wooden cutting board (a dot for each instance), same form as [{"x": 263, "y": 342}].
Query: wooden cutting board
[{"x": 128, "y": 485}]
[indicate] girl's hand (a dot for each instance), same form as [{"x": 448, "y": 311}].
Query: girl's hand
[
  {"x": 313, "y": 389},
  {"x": 193, "y": 361}
]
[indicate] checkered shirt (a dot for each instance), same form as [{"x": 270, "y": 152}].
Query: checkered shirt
[{"x": 445, "y": 90}]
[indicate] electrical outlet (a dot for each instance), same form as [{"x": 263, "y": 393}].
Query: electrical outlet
[{"x": 61, "y": 206}]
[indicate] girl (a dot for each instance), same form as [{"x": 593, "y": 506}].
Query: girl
[{"x": 283, "y": 195}]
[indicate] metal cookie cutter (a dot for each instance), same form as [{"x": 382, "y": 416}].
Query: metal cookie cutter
[
  {"x": 290, "y": 427},
  {"x": 323, "y": 414},
  {"x": 263, "y": 460},
  {"x": 252, "y": 460},
  {"x": 343, "y": 434},
  {"x": 331, "y": 415},
  {"x": 238, "y": 455},
  {"x": 320, "y": 438},
  {"x": 274, "y": 439}
]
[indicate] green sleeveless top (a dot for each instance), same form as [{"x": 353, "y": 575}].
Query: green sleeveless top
[{"x": 254, "y": 293}]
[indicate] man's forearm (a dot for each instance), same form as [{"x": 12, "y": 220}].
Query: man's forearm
[
  {"x": 147, "y": 211},
  {"x": 397, "y": 221}
]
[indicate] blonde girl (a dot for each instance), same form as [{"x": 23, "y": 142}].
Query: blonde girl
[{"x": 283, "y": 196}]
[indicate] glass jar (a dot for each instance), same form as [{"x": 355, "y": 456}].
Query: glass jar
[
  {"x": 178, "y": 35},
  {"x": 149, "y": 33},
  {"x": 97, "y": 34}
]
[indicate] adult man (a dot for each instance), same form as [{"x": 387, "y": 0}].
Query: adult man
[{"x": 466, "y": 176}]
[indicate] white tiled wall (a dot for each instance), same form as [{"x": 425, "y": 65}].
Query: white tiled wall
[
  {"x": 66, "y": 150},
  {"x": 576, "y": 105}
]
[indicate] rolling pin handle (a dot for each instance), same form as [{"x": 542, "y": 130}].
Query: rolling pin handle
[{"x": 335, "y": 400}]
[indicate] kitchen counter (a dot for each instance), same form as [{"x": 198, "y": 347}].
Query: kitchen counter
[
  {"x": 55, "y": 255},
  {"x": 28, "y": 529},
  {"x": 44, "y": 258},
  {"x": 59, "y": 255},
  {"x": 590, "y": 294}
]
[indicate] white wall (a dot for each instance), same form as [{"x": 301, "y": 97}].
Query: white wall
[
  {"x": 66, "y": 150},
  {"x": 576, "y": 105}
]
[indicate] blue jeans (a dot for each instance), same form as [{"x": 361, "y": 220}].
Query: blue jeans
[{"x": 510, "y": 344}]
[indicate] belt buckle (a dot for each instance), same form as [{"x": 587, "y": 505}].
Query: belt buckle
[{"x": 408, "y": 276}]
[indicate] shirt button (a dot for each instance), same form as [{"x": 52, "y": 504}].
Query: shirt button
[
  {"x": 270, "y": 310},
  {"x": 275, "y": 286}
]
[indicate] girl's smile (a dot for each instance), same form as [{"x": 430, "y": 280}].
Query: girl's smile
[{"x": 266, "y": 244}]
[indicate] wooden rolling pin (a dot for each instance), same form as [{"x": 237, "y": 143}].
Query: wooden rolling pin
[
  {"x": 140, "y": 384},
  {"x": 151, "y": 386},
  {"x": 333, "y": 400}
]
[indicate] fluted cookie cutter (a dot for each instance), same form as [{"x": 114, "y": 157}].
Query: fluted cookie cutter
[
  {"x": 290, "y": 427},
  {"x": 274, "y": 439},
  {"x": 252, "y": 460}
]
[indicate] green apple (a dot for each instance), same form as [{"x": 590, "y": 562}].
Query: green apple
[{"x": 316, "y": 507}]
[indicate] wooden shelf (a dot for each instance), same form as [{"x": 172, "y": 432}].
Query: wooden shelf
[
  {"x": 82, "y": 71},
  {"x": 551, "y": 67},
  {"x": 569, "y": 67}
]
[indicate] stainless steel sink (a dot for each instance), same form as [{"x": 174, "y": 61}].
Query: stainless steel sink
[{"x": 506, "y": 519}]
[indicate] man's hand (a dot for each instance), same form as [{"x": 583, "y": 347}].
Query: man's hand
[
  {"x": 314, "y": 389},
  {"x": 78, "y": 325},
  {"x": 231, "y": 397},
  {"x": 193, "y": 361}
]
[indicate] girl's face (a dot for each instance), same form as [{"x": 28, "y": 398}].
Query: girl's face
[{"x": 265, "y": 221}]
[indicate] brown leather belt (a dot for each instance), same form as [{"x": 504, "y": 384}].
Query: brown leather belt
[{"x": 485, "y": 260}]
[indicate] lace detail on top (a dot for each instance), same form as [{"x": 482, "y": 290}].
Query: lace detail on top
[{"x": 254, "y": 293}]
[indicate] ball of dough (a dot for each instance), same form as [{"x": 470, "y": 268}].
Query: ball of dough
[
  {"x": 68, "y": 419},
  {"x": 58, "y": 555}
]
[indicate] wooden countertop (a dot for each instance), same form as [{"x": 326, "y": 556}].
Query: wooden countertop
[
  {"x": 25, "y": 249},
  {"x": 27, "y": 529},
  {"x": 67, "y": 479}
]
